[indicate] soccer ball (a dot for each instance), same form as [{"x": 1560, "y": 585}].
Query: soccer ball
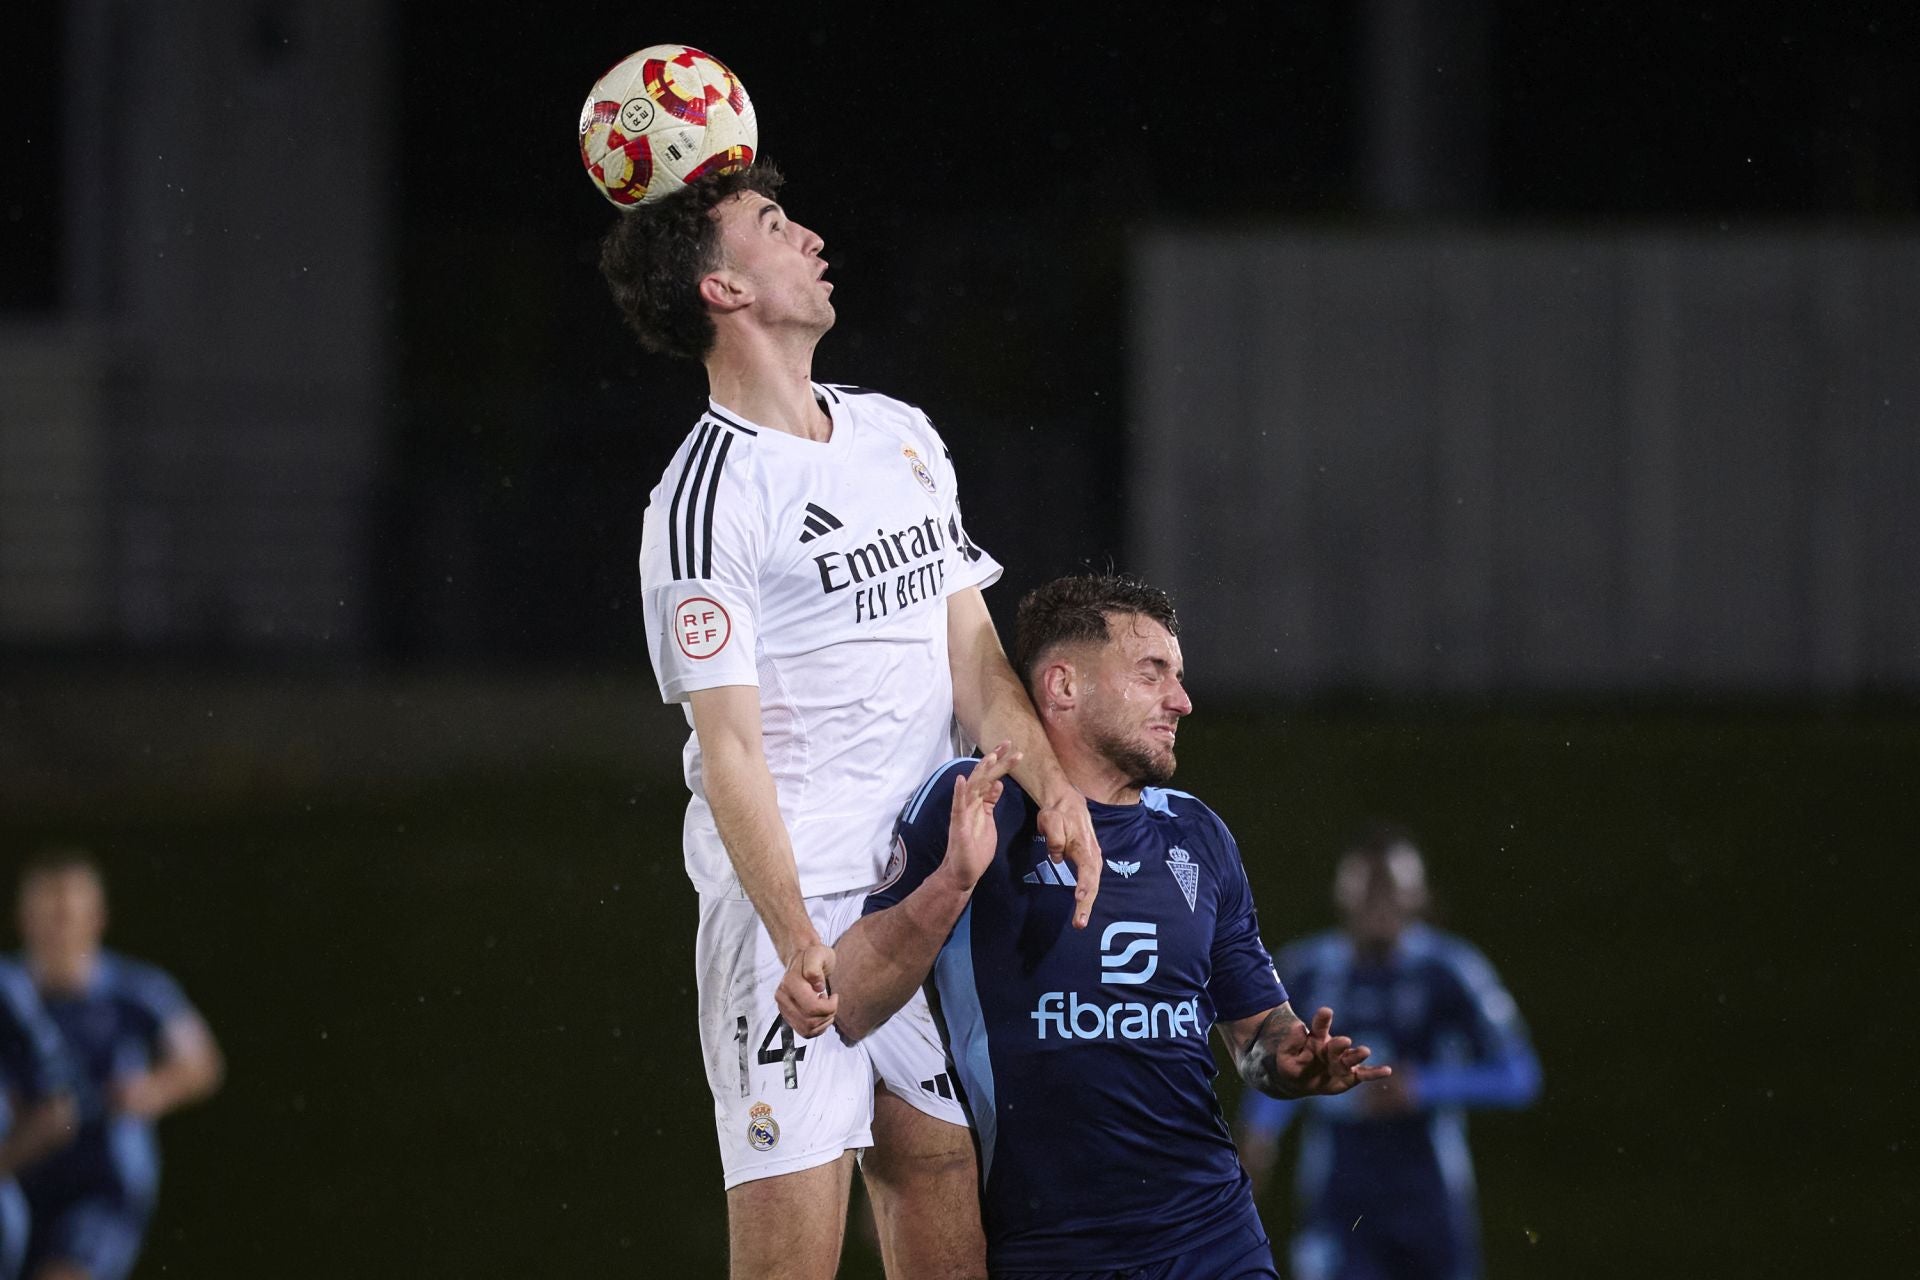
[{"x": 662, "y": 118}]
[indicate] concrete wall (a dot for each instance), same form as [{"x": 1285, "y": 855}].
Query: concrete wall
[
  {"x": 1467, "y": 462},
  {"x": 201, "y": 416}
]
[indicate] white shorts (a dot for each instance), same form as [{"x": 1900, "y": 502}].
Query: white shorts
[{"x": 781, "y": 1102}]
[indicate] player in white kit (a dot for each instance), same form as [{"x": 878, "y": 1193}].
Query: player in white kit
[{"x": 813, "y": 599}]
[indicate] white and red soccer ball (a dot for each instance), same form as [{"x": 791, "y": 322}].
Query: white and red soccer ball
[{"x": 662, "y": 118}]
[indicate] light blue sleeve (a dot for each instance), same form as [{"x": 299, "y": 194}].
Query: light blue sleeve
[
  {"x": 1263, "y": 1119},
  {"x": 155, "y": 992},
  {"x": 1503, "y": 1071}
]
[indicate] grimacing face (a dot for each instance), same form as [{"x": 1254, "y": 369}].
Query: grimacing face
[
  {"x": 778, "y": 259},
  {"x": 62, "y": 910},
  {"x": 1134, "y": 697}
]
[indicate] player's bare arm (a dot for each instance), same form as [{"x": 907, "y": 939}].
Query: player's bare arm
[
  {"x": 992, "y": 706},
  {"x": 746, "y": 810},
  {"x": 1284, "y": 1057},
  {"x": 191, "y": 1069},
  {"x": 885, "y": 957},
  {"x": 38, "y": 1130}
]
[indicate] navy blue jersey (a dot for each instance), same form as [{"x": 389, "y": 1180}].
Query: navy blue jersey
[
  {"x": 33, "y": 1067},
  {"x": 111, "y": 1030},
  {"x": 1084, "y": 1053},
  {"x": 33, "y": 1060},
  {"x": 1436, "y": 1006}
]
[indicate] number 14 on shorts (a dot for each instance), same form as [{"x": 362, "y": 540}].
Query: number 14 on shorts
[{"x": 787, "y": 1053}]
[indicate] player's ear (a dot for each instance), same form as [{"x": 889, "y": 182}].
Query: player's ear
[
  {"x": 724, "y": 291},
  {"x": 1059, "y": 686}
]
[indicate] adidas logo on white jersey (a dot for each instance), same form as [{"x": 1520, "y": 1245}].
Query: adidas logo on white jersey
[{"x": 819, "y": 522}]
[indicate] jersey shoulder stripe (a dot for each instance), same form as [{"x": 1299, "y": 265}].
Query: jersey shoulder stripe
[
  {"x": 1455, "y": 954},
  {"x": 690, "y": 515},
  {"x": 679, "y": 491},
  {"x": 735, "y": 423},
  {"x": 1183, "y": 804},
  {"x": 713, "y": 491},
  {"x": 1327, "y": 952},
  {"x": 839, "y": 389},
  {"x": 911, "y": 813}
]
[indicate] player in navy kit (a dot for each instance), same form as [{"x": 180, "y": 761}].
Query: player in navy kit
[
  {"x": 36, "y": 1103},
  {"x": 1084, "y": 1055},
  {"x": 1385, "y": 1184},
  {"x": 139, "y": 1050}
]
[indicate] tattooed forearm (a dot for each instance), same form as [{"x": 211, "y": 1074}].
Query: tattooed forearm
[{"x": 1259, "y": 1065}]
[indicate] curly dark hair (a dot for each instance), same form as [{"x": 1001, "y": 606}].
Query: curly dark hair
[
  {"x": 1073, "y": 610},
  {"x": 656, "y": 254}
]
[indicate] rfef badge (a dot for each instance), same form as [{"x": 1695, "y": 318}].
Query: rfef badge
[{"x": 763, "y": 1131}]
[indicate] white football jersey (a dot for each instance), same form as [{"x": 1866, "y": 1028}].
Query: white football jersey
[{"x": 818, "y": 572}]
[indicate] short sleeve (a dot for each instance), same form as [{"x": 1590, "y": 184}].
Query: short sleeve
[
  {"x": 158, "y": 996},
  {"x": 1501, "y": 1069},
  {"x": 971, "y": 566},
  {"x": 1492, "y": 1019},
  {"x": 1244, "y": 981},
  {"x": 700, "y": 554},
  {"x": 919, "y": 837}
]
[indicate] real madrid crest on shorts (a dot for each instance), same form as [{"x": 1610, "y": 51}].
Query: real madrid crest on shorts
[
  {"x": 763, "y": 1131},
  {"x": 1187, "y": 872},
  {"x": 920, "y": 472}
]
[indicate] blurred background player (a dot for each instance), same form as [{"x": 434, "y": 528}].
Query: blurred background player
[
  {"x": 813, "y": 600},
  {"x": 1085, "y": 1055},
  {"x": 36, "y": 1103},
  {"x": 1385, "y": 1182},
  {"x": 139, "y": 1050}
]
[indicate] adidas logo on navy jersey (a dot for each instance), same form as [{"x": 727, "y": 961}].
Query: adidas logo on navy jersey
[
  {"x": 1050, "y": 872},
  {"x": 820, "y": 522}
]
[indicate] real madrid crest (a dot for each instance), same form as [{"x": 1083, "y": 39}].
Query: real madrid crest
[
  {"x": 920, "y": 472},
  {"x": 763, "y": 1131}
]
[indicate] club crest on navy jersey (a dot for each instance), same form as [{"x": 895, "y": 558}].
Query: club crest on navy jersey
[
  {"x": 763, "y": 1131},
  {"x": 1187, "y": 873},
  {"x": 920, "y": 472},
  {"x": 896, "y": 865}
]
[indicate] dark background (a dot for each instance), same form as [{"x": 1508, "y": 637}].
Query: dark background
[{"x": 424, "y": 880}]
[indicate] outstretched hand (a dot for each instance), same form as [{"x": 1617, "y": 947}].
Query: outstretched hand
[
  {"x": 1315, "y": 1061},
  {"x": 971, "y": 835}
]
